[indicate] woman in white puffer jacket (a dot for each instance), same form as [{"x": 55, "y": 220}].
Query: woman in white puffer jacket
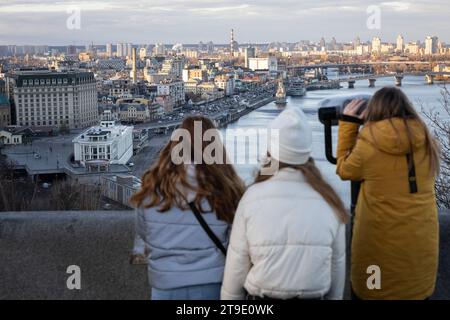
[{"x": 288, "y": 236}]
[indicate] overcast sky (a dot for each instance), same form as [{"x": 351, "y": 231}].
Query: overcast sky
[{"x": 191, "y": 21}]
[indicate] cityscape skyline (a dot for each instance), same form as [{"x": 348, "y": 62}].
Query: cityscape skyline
[{"x": 180, "y": 21}]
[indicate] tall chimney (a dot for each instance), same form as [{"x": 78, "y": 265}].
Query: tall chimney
[
  {"x": 232, "y": 43},
  {"x": 134, "y": 71}
]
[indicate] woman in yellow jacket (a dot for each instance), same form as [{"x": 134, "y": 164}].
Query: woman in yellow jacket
[{"x": 396, "y": 234}]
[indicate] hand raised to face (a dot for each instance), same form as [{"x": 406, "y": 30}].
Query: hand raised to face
[{"x": 353, "y": 108}]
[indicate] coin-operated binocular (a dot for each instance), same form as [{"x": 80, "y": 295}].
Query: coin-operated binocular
[{"x": 330, "y": 111}]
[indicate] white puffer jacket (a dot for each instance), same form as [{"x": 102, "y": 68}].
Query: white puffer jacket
[{"x": 286, "y": 242}]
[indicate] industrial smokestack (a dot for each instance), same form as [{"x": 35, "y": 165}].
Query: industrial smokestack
[
  {"x": 232, "y": 43},
  {"x": 134, "y": 71}
]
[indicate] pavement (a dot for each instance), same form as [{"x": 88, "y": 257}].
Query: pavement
[{"x": 46, "y": 154}]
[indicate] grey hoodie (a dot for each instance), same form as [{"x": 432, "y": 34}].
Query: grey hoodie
[{"x": 181, "y": 253}]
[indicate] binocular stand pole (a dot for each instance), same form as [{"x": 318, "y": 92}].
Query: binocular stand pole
[{"x": 354, "y": 189}]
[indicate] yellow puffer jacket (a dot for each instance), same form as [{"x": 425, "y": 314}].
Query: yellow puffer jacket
[{"x": 394, "y": 229}]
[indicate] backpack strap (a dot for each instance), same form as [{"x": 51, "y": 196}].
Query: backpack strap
[
  {"x": 207, "y": 229},
  {"x": 411, "y": 173}
]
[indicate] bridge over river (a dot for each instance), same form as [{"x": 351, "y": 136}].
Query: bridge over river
[{"x": 398, "y": 77}]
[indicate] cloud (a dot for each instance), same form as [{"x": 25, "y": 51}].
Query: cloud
[
  {"x": 219, "y": 9},
  {"x": 397, "y": 6},
  {"x": 189, "y": 21},
  {"x": 43, "y": 7}
]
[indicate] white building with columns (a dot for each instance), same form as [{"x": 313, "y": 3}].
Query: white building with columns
[{"x": 107, "y": 142}]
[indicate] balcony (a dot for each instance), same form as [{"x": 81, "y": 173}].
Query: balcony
[{"x": 37, "y": 247}]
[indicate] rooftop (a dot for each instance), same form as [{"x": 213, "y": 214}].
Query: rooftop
[
  {"x": 106, "y": 131},
  {"x": 53, "y": 156}
]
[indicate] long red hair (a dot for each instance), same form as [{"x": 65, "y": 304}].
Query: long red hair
[{"x": 218, "y": 183}]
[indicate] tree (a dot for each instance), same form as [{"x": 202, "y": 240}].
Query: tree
[
  {"x": 440, "y": 122},
  {"x": 69, "y": 195}
]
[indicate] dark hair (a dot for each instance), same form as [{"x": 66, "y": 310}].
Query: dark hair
[{"x": 390, "y": 102}]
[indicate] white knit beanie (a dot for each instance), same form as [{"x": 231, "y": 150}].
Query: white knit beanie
[{"x": 294, "y": 141}]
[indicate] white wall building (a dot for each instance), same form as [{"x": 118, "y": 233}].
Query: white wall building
[
  {"x": 108, "y": 142},
  {"x": 121, "y": 50},
  {"x": 400, "y": 44},
  {"x": 10, "y": 138},
  {"x": 109, "y": 51},
  {"x": 376, "y": 45},
  {"x": 412, "y": 48},
  {"x": 120, "y": 188},
  {"x": 269, "y": 63},
  {"x": 431, "y": 45}
]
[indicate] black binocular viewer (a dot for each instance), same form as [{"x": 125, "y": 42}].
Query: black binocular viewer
[{"x": 331, "y": 110}]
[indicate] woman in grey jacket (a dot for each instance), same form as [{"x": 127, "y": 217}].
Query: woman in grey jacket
[{"x": 183, "y": 262}]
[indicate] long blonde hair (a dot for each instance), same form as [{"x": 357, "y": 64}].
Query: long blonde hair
[
  {"x": 315, "y": 180},
  {"x": 218, "y": 183},
  {"x": 390, "y": 102}
]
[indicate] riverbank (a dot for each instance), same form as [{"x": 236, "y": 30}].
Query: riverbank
[
  {"x": 236, "y": 116},
  {"x": 324, "y": 85}
]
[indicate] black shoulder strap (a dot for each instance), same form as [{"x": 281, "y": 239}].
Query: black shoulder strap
[
  {"x": 411, "y": 173},
  {"x": 207, "y": 229}
]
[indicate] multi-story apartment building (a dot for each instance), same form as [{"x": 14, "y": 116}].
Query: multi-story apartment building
[
  {"x": 195, "y": 74},
  {"x": 159, "y": 49},
  {"x": 173, "y": 89},
  {"x": 190, "y": 86},
  {"x": 249, "y": 52},
  {"x": 134, "y": 113},
  {"x": 108, "y": 142},
  {"x": 400, "y": 44},
  {"x": 209, "y": 91},
  {"x": 50, "y": 98},
  {"x": 5, "y": 112},
  {"x": 431, "y": 45},
  {"x": 412, "y": 48},
  {"x": 376, "y": 45},
  {"x": 121, "y": 50},
  {"x": 136, "y": 110},
  {"x": 173, "y": 67},
  {"x": 225, "y": 83},
  {"x": 119, "y": 88}
]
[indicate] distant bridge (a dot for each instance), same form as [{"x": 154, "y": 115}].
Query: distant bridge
[
  {"x": 429, "y": 77},
  {"x": 360, "y": 64}
]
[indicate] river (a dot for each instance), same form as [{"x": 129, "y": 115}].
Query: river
[{"x": 420, "y": 93}]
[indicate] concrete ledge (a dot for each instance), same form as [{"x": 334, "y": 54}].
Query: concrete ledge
[{"x": 37, "y": 247}]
